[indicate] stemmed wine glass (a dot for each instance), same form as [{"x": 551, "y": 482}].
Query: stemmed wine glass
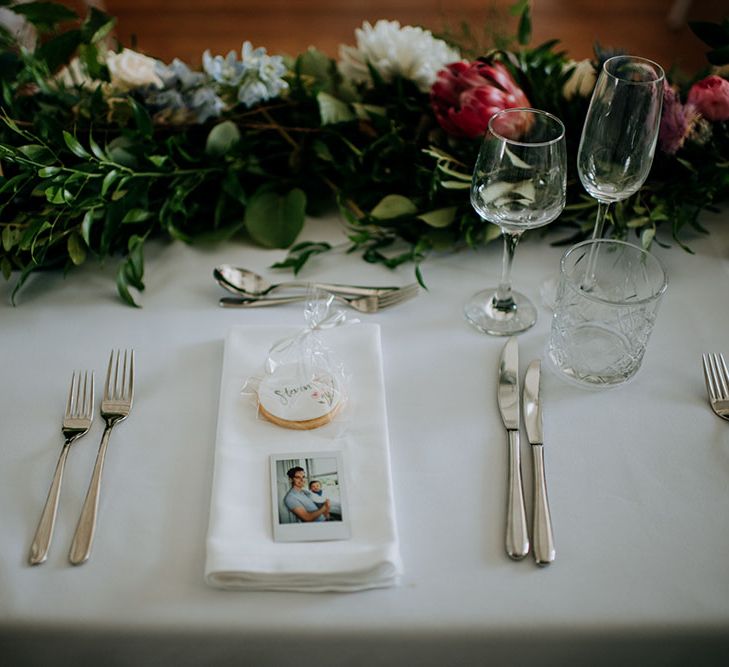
[
  {"x": 620, "y": 131},
  {"x": 519, "y": 183}
]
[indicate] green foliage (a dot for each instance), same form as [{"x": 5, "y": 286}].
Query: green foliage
[{"x": 86, "y": 176}]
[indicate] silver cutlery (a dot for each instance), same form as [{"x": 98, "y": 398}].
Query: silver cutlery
[
  {"x": 250, "y": 284},
  {"x": 542, "y": 535},
  {"x": 115, "y": 406},
  {"x": 517, "y": 538},
  {"x": 716, "y": 376},
  {"x": 364, "y": 304},
  {"x": 76, "y": 422}
]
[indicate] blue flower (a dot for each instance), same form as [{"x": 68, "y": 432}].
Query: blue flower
[
  {"x": 226, "y": 71},
  {"x": 205, "y": 104},
  {"x": 263, "y": 78}
]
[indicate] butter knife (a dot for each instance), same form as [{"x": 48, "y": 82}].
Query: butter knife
[
  {"x": 517, "y": 539},
  {"x": 542, "y": 531}
]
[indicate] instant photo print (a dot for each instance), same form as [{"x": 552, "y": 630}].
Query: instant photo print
[{"x": 309, "y": 499}]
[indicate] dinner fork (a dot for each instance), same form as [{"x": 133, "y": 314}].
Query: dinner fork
[
  {"x": 115, "y": 406},
  {"x": 76, "y": 422},
  {"x": 364, "y": 304},
  {"x": 717, "y": 383}
]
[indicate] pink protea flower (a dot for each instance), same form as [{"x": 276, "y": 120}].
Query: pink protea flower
[
  {"x": 677, "y": 121},
  {"x": 466, "y": 95},
  {"x": 710, "y": 97}
]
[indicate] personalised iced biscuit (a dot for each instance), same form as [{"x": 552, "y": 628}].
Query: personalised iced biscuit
[{"x": 294, "y": 399}]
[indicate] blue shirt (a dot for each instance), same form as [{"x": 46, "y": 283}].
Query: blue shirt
[{"x": 303, "y": 499}]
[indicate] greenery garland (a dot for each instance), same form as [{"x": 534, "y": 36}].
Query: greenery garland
[{"x": 85, "y": 172}]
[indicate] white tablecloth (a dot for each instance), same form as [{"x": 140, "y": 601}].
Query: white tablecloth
[{"x": 638, "y": 479}]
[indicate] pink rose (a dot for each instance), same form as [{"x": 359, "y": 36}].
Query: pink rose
[
  {"x": 710, "y": 97},
  {"x": 466, "y": 95}
]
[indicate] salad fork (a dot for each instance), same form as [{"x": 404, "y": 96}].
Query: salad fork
[
  {"x": 76, "y": 423},
  {"x": 364, "y": 304},
  {"x": 115, "y": 406},
  {"x": 717, "y": 383}
]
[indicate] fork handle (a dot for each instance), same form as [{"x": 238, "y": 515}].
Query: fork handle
[
  {"x": 84, "y": 536},
  {"x": 257, "y": 302},
  {"x": 343, "y": 290},
  {"x": 44, "y": 532}
]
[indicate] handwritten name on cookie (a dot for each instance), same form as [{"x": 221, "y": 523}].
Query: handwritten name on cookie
[{"x": 291, "y": 392}]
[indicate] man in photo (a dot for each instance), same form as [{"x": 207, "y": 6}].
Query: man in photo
[{"x": 302, "y": 502}]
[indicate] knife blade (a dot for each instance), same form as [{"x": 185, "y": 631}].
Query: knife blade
[
  {"x": 544, "y": 552},
  {"x": 517, "y": 538}
]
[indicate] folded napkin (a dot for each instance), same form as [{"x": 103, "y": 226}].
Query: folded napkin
[{"x": 241, "y": 551}]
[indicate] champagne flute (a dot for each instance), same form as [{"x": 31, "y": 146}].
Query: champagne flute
[
  {"x": 519, "y": 183},
  {"x": 620, "y": 132}
]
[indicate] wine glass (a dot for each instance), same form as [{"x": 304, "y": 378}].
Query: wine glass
[
  {"x": 620, "y": 131},
  {"x": 519, "y": 183}
]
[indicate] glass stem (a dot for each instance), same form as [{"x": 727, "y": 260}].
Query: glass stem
[
  {"x": 589, "y": 280},
  {"x": 602, "y": 209},
  {"x": 503, "y": 300}
]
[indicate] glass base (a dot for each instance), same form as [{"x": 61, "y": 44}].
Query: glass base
[{"x": 482, "y": 313}]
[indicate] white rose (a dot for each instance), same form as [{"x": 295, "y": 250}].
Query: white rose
[
  {"x": 130, "y": 69},
  {"x": 581, "y": 81}
]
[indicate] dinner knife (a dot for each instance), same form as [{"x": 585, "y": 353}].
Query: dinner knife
[
  {"x": 544, "y": 552},
  {"x": 517, "y": 539}
]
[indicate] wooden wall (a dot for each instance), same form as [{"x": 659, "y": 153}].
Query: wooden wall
[{"x": 185, "y": 28}]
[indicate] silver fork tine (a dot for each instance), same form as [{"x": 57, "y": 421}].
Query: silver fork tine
[
  {"x": 399, "y": 296},
  {"x": 89, "y": 403},
  {"x": 130, "y": 391},
  {"x": 714, "y": 374},
  {"x": 69, "y": 402},
  {"x": 708, "y": 376},
  {"x": 723, "y": 375},
  {"x": 107, "y": 385}
]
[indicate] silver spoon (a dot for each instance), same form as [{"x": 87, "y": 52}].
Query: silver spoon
[{"x": 247, "y": 283}]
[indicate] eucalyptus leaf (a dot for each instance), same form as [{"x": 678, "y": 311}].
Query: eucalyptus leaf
[
  {"x": 74, "y": 146},
  {"x": 393, "y": 206},
  {"x": 108, "y": 181},
  {"x": 442, "y": 217},
  {"x": 275, "y": 220},
  {"x": 76, "y": 248},
  {"x": 333, "y": 110},
  {"x": 136, "y": 215},
  {"x": 57, "y": 194},
  {"x": 96, "y": 149},
  {"x": 10, "y": 237},
  {"x": 6, "y": 267},
  {"x": 37, "y": 153},
  {"x": 646, "y": 238},
  {"x": 455, "y": 185},
  {"x": 86, "y": 224},
  {"x": 222, "y": 138},
  {"x": 47, "y": 172}
]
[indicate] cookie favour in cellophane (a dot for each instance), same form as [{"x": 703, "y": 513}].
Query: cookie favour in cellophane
[{"x": 293, "y": 399}]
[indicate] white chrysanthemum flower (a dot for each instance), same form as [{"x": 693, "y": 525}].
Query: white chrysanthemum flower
[{"x": 410, "y": 52}]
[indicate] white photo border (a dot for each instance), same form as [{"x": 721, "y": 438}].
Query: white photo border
[{"x": 316, "y": 530}]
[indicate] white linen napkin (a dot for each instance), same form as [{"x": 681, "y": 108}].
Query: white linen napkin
[{"x": 241, "y": 551}]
